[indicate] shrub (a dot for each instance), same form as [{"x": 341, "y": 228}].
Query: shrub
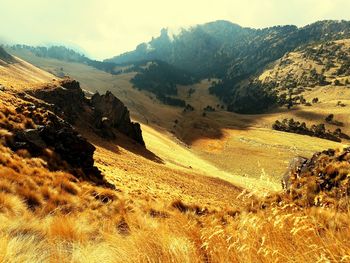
[{"x": 319, "y": 130}]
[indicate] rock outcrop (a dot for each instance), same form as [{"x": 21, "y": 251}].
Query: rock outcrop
[
  {"x": 64, "y": 141},
  {"x": 110, "y": 112},
  {"x": 294, "y": 167},
  {"x": 68, "y": 100},
  {"x": 107, "y": 113}
]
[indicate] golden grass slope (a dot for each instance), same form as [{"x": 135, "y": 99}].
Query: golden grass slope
[
  {"x": 20, "y": 75},
  {"x": 157, "y": 215},
  {"x": 230, "y": 144},
  {"x": 162, "y": 211}
]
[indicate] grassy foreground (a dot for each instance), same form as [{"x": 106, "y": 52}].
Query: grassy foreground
[{"x": 51, "y": 216}]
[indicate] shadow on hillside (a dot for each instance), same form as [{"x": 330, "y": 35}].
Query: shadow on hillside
[
  {"x": 6, "y": 63},
  {"x": 308, "y": 115},
  {"x": 132, "y": 146},
  {"x": 5, "y": 58},
  {"x": 124, "y": 142},
  {"x": 212, "y": 126}
]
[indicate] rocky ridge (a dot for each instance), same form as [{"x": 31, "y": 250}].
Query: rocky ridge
[
  {"x": 39, "y": 123},
  {"x": 107, "y": 113}
]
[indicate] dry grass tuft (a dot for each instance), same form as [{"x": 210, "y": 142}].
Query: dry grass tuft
[
  {"x": 123, "y": 227},
  {"x": 65, "y": 228},
  {"x": 183, "y": 208},
  {"x": 104, "y": 195},
  {"x": 66, "y": 186},
  {"x": 31, "y": 198}
]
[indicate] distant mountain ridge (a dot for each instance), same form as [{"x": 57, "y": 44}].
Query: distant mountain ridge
[
  {"x": 232, "y": 53},
  {"x": 211, "y": 49},
  {"x": 66, "y": 54},
  {"x": 189, "y": 47}
]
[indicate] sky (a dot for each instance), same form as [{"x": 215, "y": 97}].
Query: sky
[{"x": 105, "y": 28}]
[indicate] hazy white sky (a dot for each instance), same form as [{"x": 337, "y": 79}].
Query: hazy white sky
[{"x": 104, "y": 28}]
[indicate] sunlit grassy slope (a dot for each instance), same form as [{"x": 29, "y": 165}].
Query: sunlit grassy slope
[
  {"x": 174, "y": 202},
  {"x": 233, "y": 145},
  {"x": 159, "y": 212},
  {"x": 19, "y": 74}
]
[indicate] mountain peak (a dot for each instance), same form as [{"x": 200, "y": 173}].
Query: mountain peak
[{"x": 223, "y": 23}]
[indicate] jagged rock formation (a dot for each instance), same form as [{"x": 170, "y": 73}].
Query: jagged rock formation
[
  {"x": 110, "y": 112},
  {"x": 68, "y": 99},
  {"x": 65, "y": 141},
  {"x": 106, "y": 112}
]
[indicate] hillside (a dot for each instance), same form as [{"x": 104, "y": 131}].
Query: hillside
[
  {"x": 155, "y": 76},
  {"x": 314, "y": 78},
  {"x": 233, "y": 54},
  {"x": 212, "y": 136},
  {"x": 65, "y": 54},
  {"x": 299, "y": 72},
  {"x": 125, "y": 203},
  {"x": 16, "y": 73}
]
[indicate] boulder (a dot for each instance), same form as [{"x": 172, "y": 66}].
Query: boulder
[
  {"x": 70, "y": 145},
  {"x": 316, "y": 166},
  {"x": 323, "y": 181},
  {"x": 29, "y": 139}
]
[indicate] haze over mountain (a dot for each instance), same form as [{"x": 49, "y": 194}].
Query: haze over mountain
[{"x": 208, "y": 50}]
